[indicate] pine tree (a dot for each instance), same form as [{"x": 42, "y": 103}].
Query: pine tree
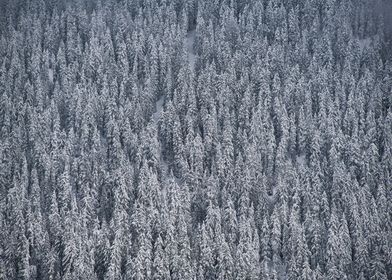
[
  {"x": 266, "y": 153},
  {"x": 160, "y": 268}
]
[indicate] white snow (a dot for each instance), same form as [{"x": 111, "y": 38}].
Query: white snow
[
  {"x": 155, "y": 118},
  {"x": 364, "y": 43},
  {"x": 190, "y": 39},
  {"x": 158, "y": 110},
  {"x": 50, "y": 75},
  {"x": 164, "y": 166},
  {"x": 301, "y": 160}
]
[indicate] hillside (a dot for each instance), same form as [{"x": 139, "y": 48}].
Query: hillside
[{"x": 190, "y": 139}]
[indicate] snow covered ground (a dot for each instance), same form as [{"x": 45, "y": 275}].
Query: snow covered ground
[
  {"x": 190, "y": 39},
  {"x": 189, "y": 42},
  {"x": 155, "y": 119},
  {"x": 301, "y": 160},
  {"x": 50, "y": 75},
  {"x": 364, "y": 43},
  {"x": 158, "y": 110}
]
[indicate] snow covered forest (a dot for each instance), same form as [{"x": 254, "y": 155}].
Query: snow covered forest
[{"x": 195, "y": 139}]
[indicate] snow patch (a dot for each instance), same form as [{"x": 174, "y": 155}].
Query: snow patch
[
  {"x": 364, "y": 43},
  {"x": 164, "y": 166},
  {"x": 158, "y": 110},
  {"x": 50, "y": 75},
  {"x": 301, "y": 160},
  {"x": 189, "y": 42}
]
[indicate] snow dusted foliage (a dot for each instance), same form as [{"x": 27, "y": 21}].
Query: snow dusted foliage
[{"x": 195, "y": 139}]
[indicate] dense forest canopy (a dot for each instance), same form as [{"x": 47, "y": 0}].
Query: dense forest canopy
[{"x": 196, "y": 139}]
